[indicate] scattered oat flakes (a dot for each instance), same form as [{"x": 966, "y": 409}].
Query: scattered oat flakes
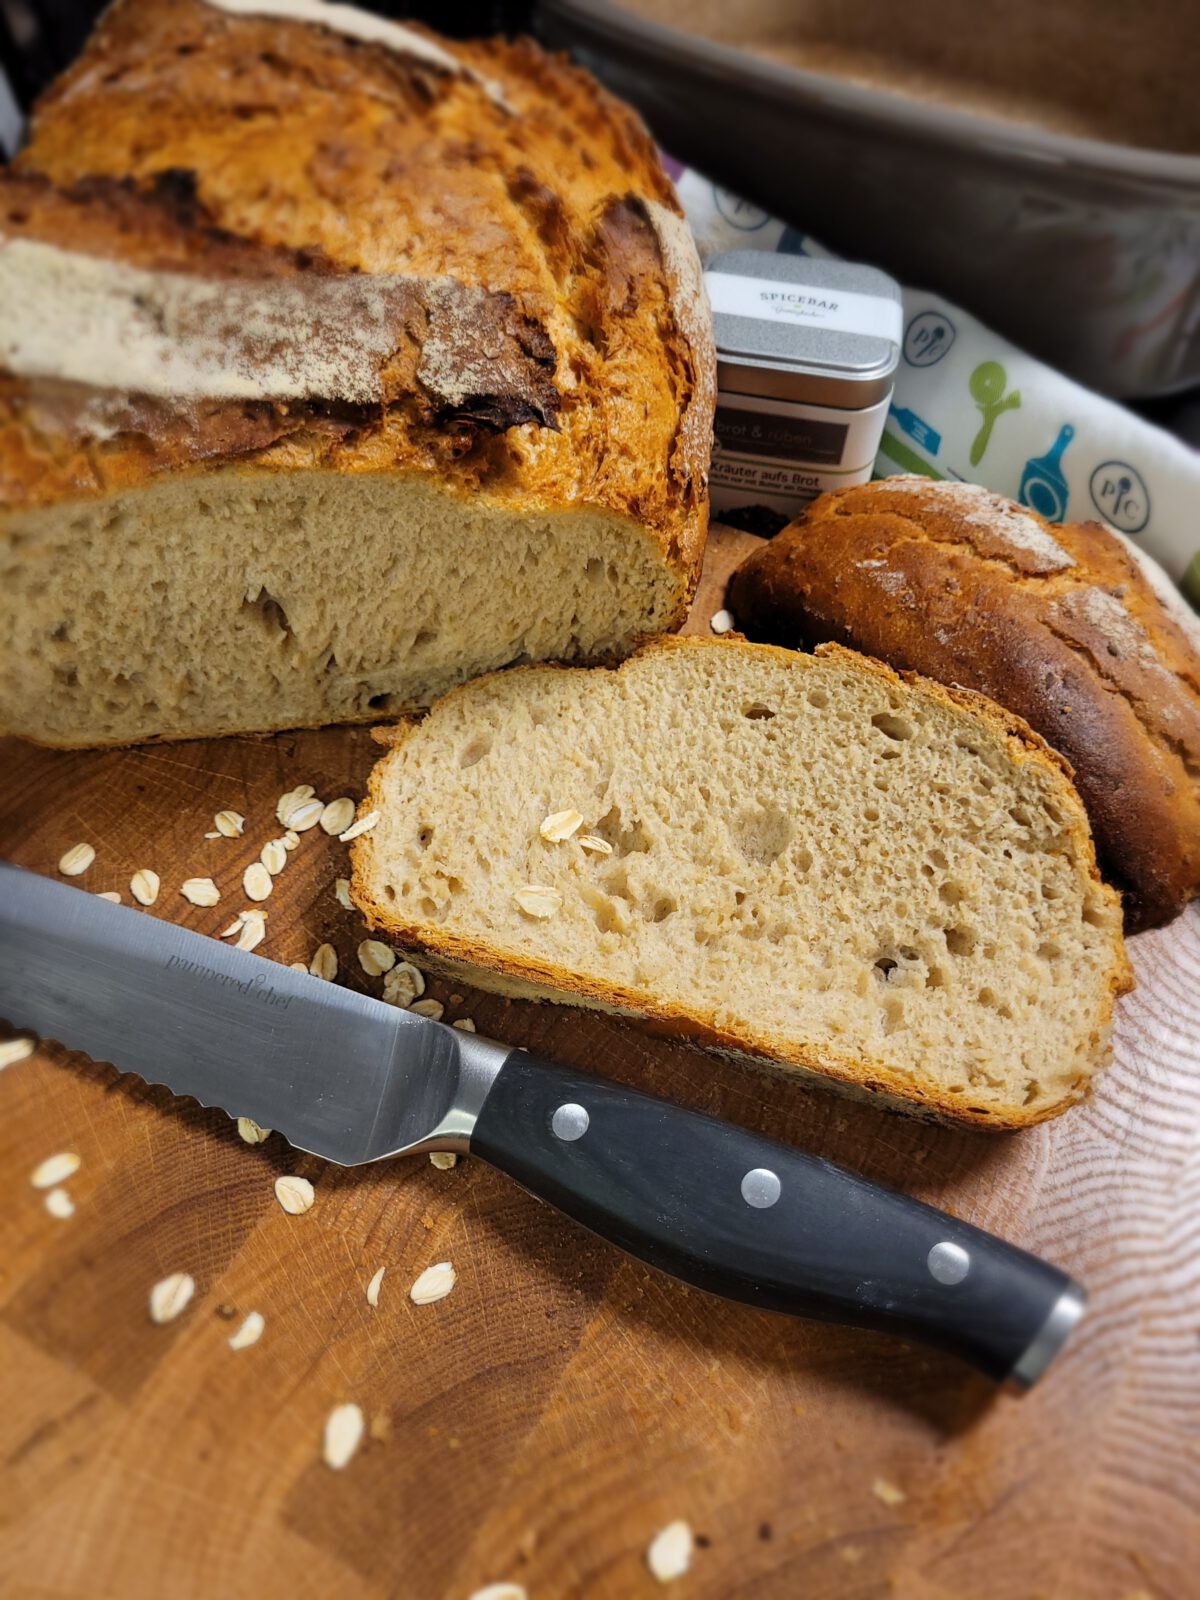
[
  {"x": 200, "y": 891},
  {"x": 297, "y": 966},
  {"x": 338, "y": 815},
  {"x": 324, "y": 963},
  {"x": 538, "y": 900},
  {"x": 256, "y": 881},
  {"x": 229, "y": 824},
  {"x": 341, "y": 890},
  {"x": 433, "y": 1009},
  {"x": 77, "y": 859},
  {"x": 234, "y": 927},
  {"x": 14, "y": 1050},
  {"x": 363, "y": 825},
  {"x": 435, "y": 1283},
  {"x": 721, "y": 621},
  {"x": 273, "y": 856},
  {"x": 250, "y": 1331},
  {"x": 374, "y": 1286},
  {"x": 305, "y": 816},
  {"x": 110, "y": 895},
  {"x": 670, "y": 1552},
  {"x": 403, "y": 984},
  {"x": 54, "y": 1170},
  {"x": 888, "y": 1492},
  {"x": 212, "y": 835},
  {"x": 465, "y": 1025},
  {"x": 295, "y": 1195},
  {"x": 287, "y": 803},
  {"x": 443, "y": 1160},
  {"x": 560, "y": 825},
  {"x": 594, "y": 843},
  {"x": 254, "y": 927},
  {"x": 251, "y": 1132},
  {"x": 144, "y": 886},
  {"x": 374, "y": 957},
  {"x": 59, "y": 1204},
  {"x": 170, "y": 1296},
  {"x": 343, "y": 1435},
  {"x": 501, "y": 1591},
  {"x": 291, "y": 839}
]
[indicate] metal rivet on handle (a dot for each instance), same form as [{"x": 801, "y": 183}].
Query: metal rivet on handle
[
  {"x": 569, "y": 1122},
  {"x": 948, "y": 1263},
  {"x": 760, "y": 1188}
]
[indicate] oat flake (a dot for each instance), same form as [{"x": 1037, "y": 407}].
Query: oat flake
[
  {"x": 363, "y": 825},
  {"x": 170, "y": 1296},
  {"x": 324, "y": 963},
  {"x": 254, "y": 927},
  {"x": 375, "y": 957},
  {"x": 403, "y": 984},
  {"x": 341, "y": 890},
  {"x": 435, "y": 1283},
  {"x": 374, "y": 1286},
  {"x": 465, "y": 1025},
  {"x": 721, "y": 621},
  {"x": 295, "y": 1195},
  {"x": 110, "y": 895},
  {"x": 443, "y": 1160},
  {"x": 229, "y": 824},
  {"x": 59, "y": 1204},
  {"x": 144, "y": 886},
  {"x": 343, "y": 1435},
  {"x": 251, "y": 1132},
  {"x": 14, "y": 1050},
  {"x": 501, "y": 1591},
  {"x": 273, "y": 856},
  {"x": 250, "y": 1332},
  {"x": 200, "y": 891},
  {"x": 54, "y": 1170},
  {"x": 77, "y": 859},
  {"x": 433, "y": 1009},
  {"x": 594, "y": 843},
  {"x": 338, "y": 815},
  {"x": 538, "y": 900},
  {"x": 670, "y": 1552},
  {"x": 305, "y": 816},
  {"x": 560, "y": 825},
  {"x": 289, "y": 802}
]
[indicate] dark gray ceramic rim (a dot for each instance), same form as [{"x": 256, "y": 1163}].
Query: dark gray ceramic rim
[{"x": 1003, "y": 143}]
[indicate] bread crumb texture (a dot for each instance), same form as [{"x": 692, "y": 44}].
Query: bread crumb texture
[{"x": 813, "y": 861}]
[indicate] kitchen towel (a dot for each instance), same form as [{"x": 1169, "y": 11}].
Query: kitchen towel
[{"x": 969, "y": 405}]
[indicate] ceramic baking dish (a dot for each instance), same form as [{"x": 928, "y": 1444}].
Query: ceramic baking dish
[{"x": 1083, "y": 249}]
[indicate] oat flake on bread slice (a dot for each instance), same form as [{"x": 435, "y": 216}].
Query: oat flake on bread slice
[{"x": 815, "y": 862}]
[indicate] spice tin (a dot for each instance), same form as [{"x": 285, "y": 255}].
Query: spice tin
[{"x": 806, "y": 358}]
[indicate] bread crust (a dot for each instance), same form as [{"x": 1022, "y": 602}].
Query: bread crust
[
  {"x": 931, "y": 577},
  {"x": 485, "y": 966},
  {"x": 191, "y": 139}
]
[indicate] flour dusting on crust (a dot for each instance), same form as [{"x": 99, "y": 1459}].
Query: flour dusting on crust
[{"x": 982, "y": 508}]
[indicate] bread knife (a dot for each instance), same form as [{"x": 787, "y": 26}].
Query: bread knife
[{"x": 354, "y": 1080}]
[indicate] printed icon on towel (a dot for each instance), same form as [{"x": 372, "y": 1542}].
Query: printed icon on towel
[
  {"x": 1043, "y": 487},
  {"x": 917, "y": 428},
  {"x": 1120, "y": 496},
  {"x": 986, "y": 384},
  {"x": 738, "y": 213},
  {"x": 928, "y": 339}
]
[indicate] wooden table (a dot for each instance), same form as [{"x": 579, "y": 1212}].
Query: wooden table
[{"x": 563, "y": 1403}]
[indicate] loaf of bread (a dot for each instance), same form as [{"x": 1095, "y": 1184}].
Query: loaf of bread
[
  {"x": 337, "y": 365},
  {"x": 802, "y": 859},
  {"x": 1059, "y": 624}
]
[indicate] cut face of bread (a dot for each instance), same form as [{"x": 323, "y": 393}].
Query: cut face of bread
[
  {"x": 299, "y": 599},
  {"x": 803, "y": 859}
]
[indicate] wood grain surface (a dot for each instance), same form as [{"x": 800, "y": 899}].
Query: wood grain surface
[{"x": 543, "y": 1421}]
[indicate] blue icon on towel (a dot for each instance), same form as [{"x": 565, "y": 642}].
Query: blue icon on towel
[
  {"x": 1043, "y": 487},
  {"x": 917, "y": 428}
]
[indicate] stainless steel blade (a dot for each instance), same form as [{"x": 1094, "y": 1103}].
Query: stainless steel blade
[{"x": 337, "y": 1073}]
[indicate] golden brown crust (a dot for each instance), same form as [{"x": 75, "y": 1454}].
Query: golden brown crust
[
  {"x": 297, "y": 143},
  {"x": 490, "y": 968},
  {"x": 1077, "y": 644}
]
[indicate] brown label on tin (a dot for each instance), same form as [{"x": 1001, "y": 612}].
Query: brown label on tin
[{"x": 763, "y": 433}]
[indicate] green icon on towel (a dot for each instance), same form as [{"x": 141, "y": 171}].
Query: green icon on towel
[{"x": 986, "y": 384}]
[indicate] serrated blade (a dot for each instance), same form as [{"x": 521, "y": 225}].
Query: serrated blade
[{"x": 338, "y": 1074}]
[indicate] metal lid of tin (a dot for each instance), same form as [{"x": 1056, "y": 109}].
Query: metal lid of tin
[{"x": 794, "y": 328}]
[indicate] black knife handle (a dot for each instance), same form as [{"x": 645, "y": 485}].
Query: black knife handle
[{"x": 755, "y": 1220}]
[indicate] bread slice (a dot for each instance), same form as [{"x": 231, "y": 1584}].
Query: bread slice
[
  {"x": 803, "y": 859},
  {"x": 1067, "y": 625},
  {"x": 337, "y": 365}
]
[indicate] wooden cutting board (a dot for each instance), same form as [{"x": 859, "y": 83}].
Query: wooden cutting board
[{"x": 563, "y": 1403}]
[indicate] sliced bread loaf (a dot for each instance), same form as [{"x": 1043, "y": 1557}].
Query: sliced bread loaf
[{"x": 804, "y": 859}]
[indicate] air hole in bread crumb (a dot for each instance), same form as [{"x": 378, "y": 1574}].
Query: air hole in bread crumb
[
  {"x": 424, "y": 638},
  {"x": 1032, "y": 1090},
  {"x": 763, "y": 835},
  {"x": 818, "y": 698},
  {"x": 1097, "y": 916},
  {"x": 423, "y": 837},
  {"x": 757, "y": 713},
  {"x": 1051, "y": 891},
  {"x": 389, "y": 891},
  {"x": 885, "y": 966},
  {"x": 952, "y": 893},
  {"x": 1049, "y": 950},
  {"x": 665, "y": 906},
  {"x": 1020, "y": 816},
  {"x": 893, "y": 726},
  {"x": 474, "y": 753},
  {"x": 871, "y": 814},
  {"x": 893, "y": 1016},
  {"x": 271, "y": 615},
  {"x": 960, "y": 941}
]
